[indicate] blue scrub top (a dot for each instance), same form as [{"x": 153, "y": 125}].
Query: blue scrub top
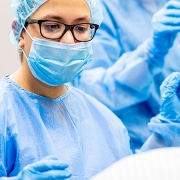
[
  {"x": 121, "y": 75},
  {"x": 75, "y": 127}
]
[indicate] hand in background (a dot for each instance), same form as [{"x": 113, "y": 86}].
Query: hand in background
[
  {"x": 166, "y": 25},
  {"x": 170, "y": 97},
  {"x": 167, "y": 122}
]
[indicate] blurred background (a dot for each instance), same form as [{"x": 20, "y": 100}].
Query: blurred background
[{"x": 9, "y": 59}]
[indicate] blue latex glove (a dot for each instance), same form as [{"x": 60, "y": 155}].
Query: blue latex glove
[
  {"x": 45, "y": 169},
  {"x": 166, "y": 25},
  {"x": 167, "y": 123},
  {"x": 170, "y": 96}
]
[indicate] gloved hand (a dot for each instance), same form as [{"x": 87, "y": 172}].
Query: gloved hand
[
  {"x": 170, "y": 97},
  {"x": 167, "y": 122},
  {"x": 45, "y": 169},
  {"x": 166, "y": 25}
]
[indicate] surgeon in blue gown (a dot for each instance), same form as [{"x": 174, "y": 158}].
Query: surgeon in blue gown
[
  {"x": 49, "y": 129},
  {"x": 43, "y": 120},
  {"x": 135, "y": 48}
]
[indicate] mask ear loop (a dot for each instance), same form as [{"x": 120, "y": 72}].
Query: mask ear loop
[
  {"x": 30, "y": 37},
  {"x": 27, "y": 32},
  {"x": 24, "y": 53}
]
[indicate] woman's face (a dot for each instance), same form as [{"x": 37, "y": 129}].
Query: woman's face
[{"x": 65, "y": 11}]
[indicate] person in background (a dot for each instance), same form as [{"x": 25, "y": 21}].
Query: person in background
[
  {"x": 134, "y": 50},
  {"x": 49, "y": 129}
]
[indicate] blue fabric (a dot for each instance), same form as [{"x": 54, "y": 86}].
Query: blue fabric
[
  {"x": 119, "y": 76},
  {"x": 74, "y": 127},
  {"x": 49, "y": 63}
]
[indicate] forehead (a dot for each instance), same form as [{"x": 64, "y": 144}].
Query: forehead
[{"x": 65, "y": 8}]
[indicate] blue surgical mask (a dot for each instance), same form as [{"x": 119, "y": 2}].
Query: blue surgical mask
[{"x": 55, "y": 63}]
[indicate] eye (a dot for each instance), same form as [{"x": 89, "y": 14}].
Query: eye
[
  {"x": 51, "y": 27},
  {"x": 82, "y": 28}
]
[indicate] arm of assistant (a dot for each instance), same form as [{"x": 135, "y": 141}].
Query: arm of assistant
[{"x": 131, "y": 74}]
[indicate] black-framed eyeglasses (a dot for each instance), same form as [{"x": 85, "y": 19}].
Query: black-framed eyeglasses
[{"x": 55, "y": 30}]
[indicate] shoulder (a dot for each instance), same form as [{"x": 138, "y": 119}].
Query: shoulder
[
  {"x": 8, "y": 94},
  {"x": 4, "y": 87}
]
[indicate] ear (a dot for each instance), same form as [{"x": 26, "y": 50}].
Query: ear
[{"x": 21, "y": 42}]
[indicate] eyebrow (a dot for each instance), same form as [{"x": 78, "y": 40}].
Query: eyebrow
[{"x": 58, "y": 18}]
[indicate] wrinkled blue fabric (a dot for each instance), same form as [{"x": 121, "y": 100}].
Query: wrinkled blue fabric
[
  {"x": 124, "y": 75},
  {"x": 74, "y": 127}
]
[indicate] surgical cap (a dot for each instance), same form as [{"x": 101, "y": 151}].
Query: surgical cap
[{"x": 22, "y": 9}]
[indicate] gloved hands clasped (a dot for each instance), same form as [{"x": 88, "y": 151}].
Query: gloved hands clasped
[
  {"x": 45, "y": 169},
  {"x": 166, "y": 25},
  {"x": 167, "y": 122}
]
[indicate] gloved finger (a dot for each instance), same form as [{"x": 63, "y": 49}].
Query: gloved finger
[
  {"x": 167, "y": 12},
  {"x": 55, "y": 174},
  {"x": 170, "y": 84},
  {"x": 170, "y": 105},
  {"x": 46, "y": 165},
  {"x": 171, "y": 17},
  {"x": 170, "y": 108},
  {"x": 172, "y": 4},
  {"x": 162, "y": 29},
  {"x": 167, "y": 20},
  {"x": 173, "y": 13},
  {"x": 172, "y": 9},
  {"x": 49, "y": 165}
]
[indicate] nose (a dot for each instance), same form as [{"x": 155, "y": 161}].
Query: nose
[{"x": 67, "y": 38}]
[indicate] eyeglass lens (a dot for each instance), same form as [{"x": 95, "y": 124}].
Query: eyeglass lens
[{"x": 54, "y": 30}]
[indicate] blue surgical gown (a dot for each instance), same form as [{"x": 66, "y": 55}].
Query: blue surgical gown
[
  {"x": 75, "y": 127},
  {"x": 120, "y": 75}
]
